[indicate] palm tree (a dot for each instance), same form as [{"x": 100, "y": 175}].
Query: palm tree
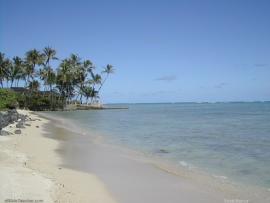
[
  {"x": 108, "y": 70},
  {"x": 33, "y": 58},
  {"x": 73, "y": 77},
  {"x": 49, "y": 54},
  {"x": 96, "y": 80},
  {"x": 94, "y": 95},
  {"x": 65, "y": 79},
  {"x": 34, "y": 86},
  {"x": 23, "y": 74},
  {"x": 47, "y": 73},
  {"x": 75, "y": 60},
  {"x": 81, "y": 76},
  {"x": 15, "y": 70},
  {"x": 87, "y": 92},
  {"x": 4, "y": 66}
]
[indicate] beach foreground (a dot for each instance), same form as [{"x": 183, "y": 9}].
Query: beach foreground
[
  {"x": 30, "y": 170},
  {"x": 46, "y": 164}
]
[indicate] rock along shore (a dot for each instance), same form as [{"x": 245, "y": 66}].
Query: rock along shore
[{"x": 9, "y": 117}]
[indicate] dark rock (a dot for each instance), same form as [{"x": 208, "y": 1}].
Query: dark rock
[
  {"x": 20, "y": 125},
  {"x": 22, "y": 118},
  {"x": 18, "y": 132},
  {"x": 37, "y": 126},
  {"x": 164, "y": 151},
  {"x": 27, "y": 124},
  {"x": 13, "y": 115},
  {"x": 4, "y": 133},
  {"x": 8, "y": 117}
]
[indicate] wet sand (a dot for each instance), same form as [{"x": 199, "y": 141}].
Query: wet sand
[{"x": 131, "y": 177}]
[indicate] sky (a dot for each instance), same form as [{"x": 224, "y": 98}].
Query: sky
[{"x": 163, "y": 51}]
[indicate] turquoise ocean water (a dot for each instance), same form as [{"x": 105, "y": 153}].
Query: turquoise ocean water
[{"x": 225, "y": 139}]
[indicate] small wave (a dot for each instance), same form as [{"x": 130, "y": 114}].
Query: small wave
[
  {"x": 220, "y": 177},
  {"x": 183, "y": 163}
]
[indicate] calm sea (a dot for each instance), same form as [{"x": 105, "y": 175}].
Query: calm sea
[{"x": 230, "y": 140}]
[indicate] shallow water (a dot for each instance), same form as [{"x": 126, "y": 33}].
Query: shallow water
[{"x": 229, "y": 140}]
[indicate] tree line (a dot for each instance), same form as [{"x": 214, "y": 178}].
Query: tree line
[{"x": 72, "y": 80}]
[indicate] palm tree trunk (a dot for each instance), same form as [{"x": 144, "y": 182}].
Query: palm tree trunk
[
  {"x": 81, "y": 98},
  {"x": 51, "y": 96},
  {"x": 12, "y": 80},
  {"x": 103, "y": 82}
]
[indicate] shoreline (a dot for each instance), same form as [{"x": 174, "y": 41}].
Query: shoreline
[
  {"x": 30, "y": 169},
  {"x": 48, "y": 161},
  {"x": 121, "y": 158}
]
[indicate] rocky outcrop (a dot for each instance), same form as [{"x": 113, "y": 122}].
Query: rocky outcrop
[
  {"x": 9, "y": 117},
  {"x": 18, "y": 131}
]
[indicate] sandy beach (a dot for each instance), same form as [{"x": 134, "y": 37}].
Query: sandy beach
[
  {"x": 45, "y": 164},
  {"x": 30, "y": 170},
  {"x": 134, "y": 101}
]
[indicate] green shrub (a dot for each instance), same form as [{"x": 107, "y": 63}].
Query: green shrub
[
  {"x": 33, "y": 101},
  {"x": 38, "y": 102},
  {"x": 8, "y": 99},
  {"x": 21, "y": 99}
]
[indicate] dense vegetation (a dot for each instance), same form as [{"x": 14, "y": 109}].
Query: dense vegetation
[
  {"x": 73, "y": 80},
  {"x": 8, "y": 99}
]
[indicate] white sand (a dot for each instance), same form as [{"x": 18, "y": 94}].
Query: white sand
[
  {"x": 35, "y": 167},
  {"x": 29, "y": 170}
]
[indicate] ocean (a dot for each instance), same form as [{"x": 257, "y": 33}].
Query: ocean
[{"x": 226, "y": 140}]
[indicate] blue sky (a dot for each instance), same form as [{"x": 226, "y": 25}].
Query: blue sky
[{"x": 163, "y": 51}]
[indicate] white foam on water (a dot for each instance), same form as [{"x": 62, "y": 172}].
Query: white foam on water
[
  {"x": 183, "y": 163},
  {"x": 220, "y": 177}
]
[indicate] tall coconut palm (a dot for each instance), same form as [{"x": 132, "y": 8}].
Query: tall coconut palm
[
  {"x": 23, "y": 74},
  {"x": 49, "y": 54},
  {"x": 96, "y": 80},
  {"x": 15, "y": 70},
  {"x": 87, "y": 92},
  {"x": 80, "y": 80},
  {"x": 81, "y": 76},
  {"x": 4, "y": 66},
  {"x": 34, "y": 86},
  {"x": 107, "y": 70},
  {"x": 89, "y": 67},
  {"x": 33, "y": 58},
  {"x": 75, "y": 60},
  {"x": 47, "y": 73},
  {"x": 65, "y": 79},
  {"x": 94, "y": 95}
]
